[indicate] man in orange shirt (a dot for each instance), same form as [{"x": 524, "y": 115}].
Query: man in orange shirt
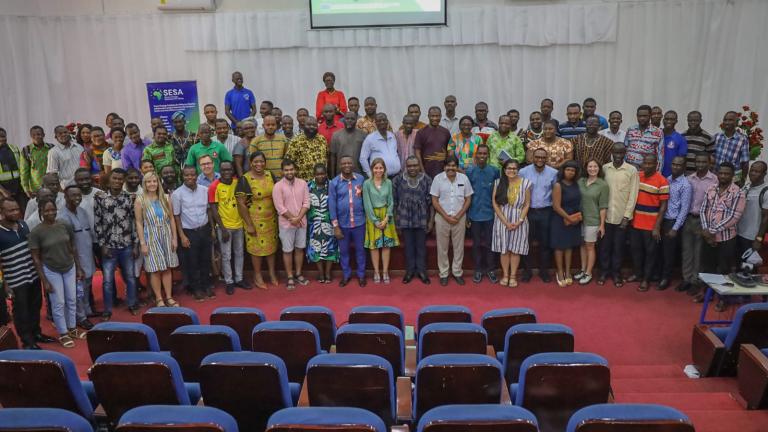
[
  {"x": 330, "y": 96},
  {"x": 329, "y": 124}
]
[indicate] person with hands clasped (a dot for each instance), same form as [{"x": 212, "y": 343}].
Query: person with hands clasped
[{"x": 511, "y": 202}]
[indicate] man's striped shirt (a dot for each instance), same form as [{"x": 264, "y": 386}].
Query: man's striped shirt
[
  {"x": 653, "y": 190},
  {"x": 18, "y": 267}
]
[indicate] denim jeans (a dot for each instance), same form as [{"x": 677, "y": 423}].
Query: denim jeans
[
  {"x": 83, "y": 292},
  {"x": 63, "y": 298},
  {"x": 122, "y": 257},
  {"x": 233, "y": 246}
]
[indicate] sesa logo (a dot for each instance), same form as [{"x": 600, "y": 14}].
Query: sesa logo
[{"x": 173, "y": 92}]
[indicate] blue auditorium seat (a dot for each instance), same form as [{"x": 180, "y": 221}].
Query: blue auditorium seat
[
  {"x": 753, "y": 376},
  {"x": 251, "y": 386},
  {"x": 378, "y": 339},
  {"x": 448, "y": 379},
  {"x": 555, "y": 385},
  {"x": 164, "y": 320},
  {"x": 295, "y": 342},
  {"x": 241, "y": 319},
  {"x": 43, "y": 379},
  {"x": 452, "y": 338},
  {"x": 524, "y": 340},
  {"x": 496, "y": 322},
  {"x": 191, "y": 343},
  {"x": 177, "y": 418},
  {"x": 478, "y": 418},
  {"x": 619, "y": 417},
  {"x": 42, "y": 419},
  {"x": 126, "y": 380},
  {"x": 378, "y": 315},
  {"x": 442, "y": 313},
  {"x": 314, "y": 419},
  {"x": 106, "y": 337},
  {"x": 319, "y": 316}
]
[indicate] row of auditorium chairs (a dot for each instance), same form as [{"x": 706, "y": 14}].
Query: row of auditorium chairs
[
  {"x": 251, "y": 386},
  {"x": 449, "y": 418}
]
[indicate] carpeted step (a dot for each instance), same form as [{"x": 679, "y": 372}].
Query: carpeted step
[
  {"x": 646, "y": 371},
  {"x": 684, "y": 401},
  {"x": 673, "y": 385},
  {"x": 728, "y": 421}
]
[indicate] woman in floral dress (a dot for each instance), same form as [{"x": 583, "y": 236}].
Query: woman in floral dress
[{"x": 322, "y": 246}]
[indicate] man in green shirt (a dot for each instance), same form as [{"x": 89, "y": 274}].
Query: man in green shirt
[
  {"x": 216, "y": 150},
  {"x": 161, "y": 151},
  {"x": 33, "y": 163},
  {"x": 505, "y": 140}
]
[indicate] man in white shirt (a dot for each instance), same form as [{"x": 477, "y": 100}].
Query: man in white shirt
[
  {"x": 613, "y": 132},
  {"x": 450, "y": 121},
  {"x": 225, "y": 136},
  {"x": 64, "y": 157}
]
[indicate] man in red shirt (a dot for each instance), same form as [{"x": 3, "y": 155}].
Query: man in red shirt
[
  {"x": 330, "y": 124},
  {"x": 331, "y": 96},
  {"x": 646, "y": 223}
]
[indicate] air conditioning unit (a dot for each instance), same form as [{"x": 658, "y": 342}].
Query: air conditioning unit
[{"x": 187, "y": 5}]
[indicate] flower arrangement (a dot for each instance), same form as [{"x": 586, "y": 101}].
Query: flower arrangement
[
  {"x": 748, "y": 126},
  {"x": 73, "y": 127}
]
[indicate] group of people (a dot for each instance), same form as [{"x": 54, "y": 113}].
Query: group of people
[{"x": 331, "y": 186}]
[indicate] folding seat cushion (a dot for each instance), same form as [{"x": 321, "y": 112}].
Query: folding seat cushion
[
  {"x": 191, "y": 343},
  {"x": 126, "y": 380},
  {"x": 447, "y": 379},
  {"x": 114, "y": 336},
  {"x": 555, "y": 385},
  {"x": 295, "y": 342},
  {"x": 524, "y": 340},
  {"x": 325, "y": 419},
  {"x": 715, "y": 350},
  {"x": 164, "y": 320},
  {"x": 753, "y": 376},
  {"x": 353, "y": 380},
  {"x": 442, "y": 313},
  {"x": 629, "y": 417},
  {"x": 162, "y": 418},
  {"x": 378, "y": 339},
  {"x": 251, "y": 386},
  {"x": 241, "y": 319},
  {"x": 452, "y": 338},
  {"x": 321, "y": 317},
  {"x": 378, "y": 315},
  {"x": 478, "y": 418},
  {"x": 43, "y": 379},
  {"x": 496, "y": 322},
  {"x": 42, "y": 419}
]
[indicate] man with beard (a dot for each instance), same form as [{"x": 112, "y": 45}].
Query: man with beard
[
  {"x": 307, "y": 150},
  {"x": 161, "y": 152},
  {"x": 345, "y": 204},
  {"x": 347, "y": 142},
  {"x": 591, "y": 145}
]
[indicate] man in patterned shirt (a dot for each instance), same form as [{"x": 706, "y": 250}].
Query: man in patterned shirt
[
  {"x": 731, "y": 145},
  {"x": 699, "y": 141},
  {"x": 368, "y": 122},
  {"x": 161, "y": 151},
  {"x": 308, "y": 150},
  {"x": 644, "y": 139},
  {"x": 34, "y": 161},
  {"x": 272, "y": 144},
  {"x": 591, "y": 145}
]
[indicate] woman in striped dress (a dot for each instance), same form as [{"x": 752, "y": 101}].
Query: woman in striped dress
[
  {"x": 156, "y": 230},
  {"x": 511, "y": 201}
]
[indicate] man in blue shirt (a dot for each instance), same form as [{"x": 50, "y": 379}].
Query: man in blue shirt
[
  {"x": 239, "y": 102},
  {"x": 589, "y": 106},
  {"x": 482, "y": 177},
  {"x": 345, "y": 203},
  {"x": 542, "y": 178},
  {"x": 574, "y": 126},
  {"x": 674, "y": 143}
]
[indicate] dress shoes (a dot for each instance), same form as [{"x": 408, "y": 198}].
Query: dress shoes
[{"x": 424, "y": 278}]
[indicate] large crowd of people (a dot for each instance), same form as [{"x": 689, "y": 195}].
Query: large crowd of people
[{"x": 341, "y": 186}]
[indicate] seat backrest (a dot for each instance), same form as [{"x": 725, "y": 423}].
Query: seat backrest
[
  {"x": 325, "y": 419},
  {"x": 629, "y": 417},
  {"x": 113, "y": 336},
  {"x": 749, "y": 326},
  {"x": 445, "y": 379},
  {"x": 442, "y": 313},
  {"x": 251, "y": 386},
  {"x": 164, "y": 320},
  {"x": 478, "y": 418},
  {"x": 353, "y": 380},
  {"x": 191, "y": 343},
  {"x": 555, "y": 385},
  {"x": 295, "y": 342},
  {"x": 524, "y": 340},
  {"x": 41, "y": 379},
  {"x": 319, "y": 316},
  {"x": 125, "y": 380},
  {"x": 378, "y": 339},
  {"x": 42, "y": 420},
  {"x": 241, "y": 319},
  {"x": 496, "y": 323},
  {"x": 8, "y": 339},
  {"x": 452, "y": 338},
  {"x": 162, "y": 418},
  {"x": 378, "y": 315}
]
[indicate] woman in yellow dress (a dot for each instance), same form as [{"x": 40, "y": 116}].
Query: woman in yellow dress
[{"x": 254, "y": 201}]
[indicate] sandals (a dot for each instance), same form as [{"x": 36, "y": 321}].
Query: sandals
[
  {"x": 376, "y": 278},
  {"x": 160, "y": 303},
  {"x": 259, "y": 283},
  {"x": 77, "y": 333},
  {"x": 301, "y": 280},
  {"x": 171, "y": 302},
  {"x": 385, "y": 279},
  {"x": 66, "y": 341},
  {"x": 512, "y": 283},
  {"x": 504, "y": 281},
  {"x": 291, "y": 284}
]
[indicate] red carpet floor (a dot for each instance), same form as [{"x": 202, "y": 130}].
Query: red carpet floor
[{"x": 645, "y": 336}]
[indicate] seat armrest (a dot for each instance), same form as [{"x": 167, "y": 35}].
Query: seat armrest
[
  {"x": 505, "y": 398},
  {"x": 752, "y": 377},
  {"x": 706, "y": 350},
  {"x": 304, "y": 395},
  {"x": 410, "y": 361},
  {"x": 400, "y": 428},
  {"x": 404, "y": 400},
  {"x": 490, "y": 351}
]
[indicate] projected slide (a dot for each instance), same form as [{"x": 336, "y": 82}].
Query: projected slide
[{"x": 376, "y": 13}]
